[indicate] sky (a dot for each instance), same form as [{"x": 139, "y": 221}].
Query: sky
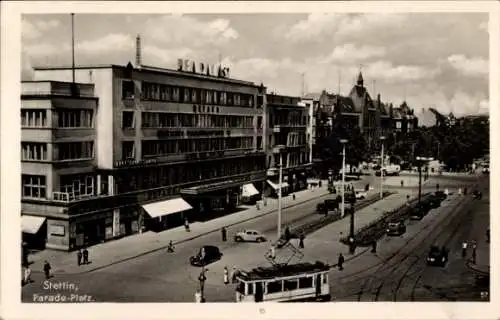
[{"x": 435, "y": 60}]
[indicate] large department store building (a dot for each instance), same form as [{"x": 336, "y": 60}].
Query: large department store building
[{"x": 136, "y": 148}]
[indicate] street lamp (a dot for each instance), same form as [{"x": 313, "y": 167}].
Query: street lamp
[
  {"x": 419, "y": 163},
  {"x": 343, "y": 141},
  {"x": 382, "y": 138},
  {"x": 281, "y": 148}
]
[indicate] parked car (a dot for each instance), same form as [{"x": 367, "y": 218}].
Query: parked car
[
  {"x": 361, "y": 194},
  {"x": 329, "y": 205},
  {"x": 477, "y": 194},
  {"x": 396, "y": 228},
  {"x": 206, "y": 255},
  {"x": 441, "y": 195},
  {"x": 437, "y": 257},
  {"x": 434, "y": 202},
  {"x": 249, "y": 236}
]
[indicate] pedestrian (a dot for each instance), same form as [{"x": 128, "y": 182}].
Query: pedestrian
[
  {"x": 287, "y": 233},
  {"x": 79, "y": 257},
  {"x": 46, "y": 269},
  {"x": 437, "y": 186},
  {"x": 474, "y": 247},
  {"x": 402, "y": 183},
  {"x": 367, "y": 187},
  {"x": 186, "y": 224},
  {"x": 272, "y": 252},
  {"x": 85, "y": 256},
  {"x": 464, "y": 249},
  {"x": 301, "y": 241},
  {"x": 27, "y": 274},
  {"x": 374, "y": 246},
  {"x": 334, "y": 190},
  {"x": 341, "y": 262},
  {"x": 293, "y": 196},
  {"x": 320, "y": 184},
  {"x": 197, "y": 296},
  {"x": 226, "y": 276},
  {"x": 171, "y": 247},
  {"x": 202, "y": 278},
  {"x": 224, "y": 234},
  {"x": 257, "y": 206},
  {"x": 233, "y": 275}
]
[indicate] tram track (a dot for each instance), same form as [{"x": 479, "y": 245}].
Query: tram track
[{"x": 382, "y": 264}]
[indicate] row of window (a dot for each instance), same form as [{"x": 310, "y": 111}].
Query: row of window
[
  {"x": 62, "y": 151},
  {"x": 184, "y": 173},
  {"x": 34, "y": 151},
  {"x": 288, "y": 118},
  {"x": 70, "y": 118},
  {"x": 162, "y": 147},
  {"x": 66, "y": 118},
  {"x": 291, "y": 139},
  {"x": 163, "y": 92},
  {"x": 174, "y": 120}
]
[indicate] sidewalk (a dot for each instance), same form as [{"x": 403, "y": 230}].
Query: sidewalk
[
  {"x": 130, "y": 247},
  {"x": 326, "y": 241}
]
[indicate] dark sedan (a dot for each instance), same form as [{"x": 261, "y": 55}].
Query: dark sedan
[{"x": 206, "y": 255}]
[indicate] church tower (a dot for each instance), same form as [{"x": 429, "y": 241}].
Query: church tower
[{"x": 360, "y": 80}]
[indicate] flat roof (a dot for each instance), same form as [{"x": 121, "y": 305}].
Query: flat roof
[
  {"x": 283, "y": 270},
  {"x": 154, "y": 69}
]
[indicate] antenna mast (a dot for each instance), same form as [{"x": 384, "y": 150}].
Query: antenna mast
[{"x": 73, "y": 45}]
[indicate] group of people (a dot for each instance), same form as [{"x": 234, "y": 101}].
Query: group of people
[
  {"x": 465, "y": 246},
  {"x": 82, "y": 256}
]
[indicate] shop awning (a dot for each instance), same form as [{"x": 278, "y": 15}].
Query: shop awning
[
  {"x": 275, "y": 186},
  {"x": 31, "y": 224},
  {"x": 166, "y": 207},
  {"x": 249, "y": 190}
]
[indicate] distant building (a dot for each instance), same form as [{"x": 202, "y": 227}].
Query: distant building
[
  {"x": 288, "y": 126},
  {"x": 404, "y": 120}
]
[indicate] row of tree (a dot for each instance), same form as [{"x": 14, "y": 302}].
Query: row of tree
[{"x": 455, "y": 144}]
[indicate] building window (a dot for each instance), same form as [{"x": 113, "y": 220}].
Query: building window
[
  {"x": 175, "y": 94},
  {"x": 34, "y": 186},
  {"x": 128, "y": 89},
  {"x": 33, "y": 118},
  {"x": 128, "y": 150},
  {"x": 33, "y": 151},
  {"x": 75, "y": 150},
  {"x": 74, "y": 118},
  {"x": 128, "y": 119}
]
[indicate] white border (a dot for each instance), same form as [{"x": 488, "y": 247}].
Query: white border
[{"x": 10, "y": 172}]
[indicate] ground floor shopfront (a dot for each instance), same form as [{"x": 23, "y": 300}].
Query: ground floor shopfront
[
  {"x": 57, "y": 229},
  {"x": 293, "y": 180}
]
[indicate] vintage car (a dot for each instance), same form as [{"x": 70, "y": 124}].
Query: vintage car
[
  {"x": 249, "y": 236},
  {"x": 396, "y": 228},
  {"x": 206, "y": 255},
  {"x": 437, "y": 257}
]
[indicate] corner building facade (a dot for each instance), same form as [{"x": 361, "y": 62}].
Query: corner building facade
[{"x": 169, "y": 145}]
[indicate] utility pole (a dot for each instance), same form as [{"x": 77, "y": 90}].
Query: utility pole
[
  {"x": 342, "y": 212},
  {"x": 382, "y": 168},
  {"x": 279, "y": 196},
  {"x": 73, "y": 84}
]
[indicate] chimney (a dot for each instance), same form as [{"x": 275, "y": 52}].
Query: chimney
[{"x": 138, "y": 51}]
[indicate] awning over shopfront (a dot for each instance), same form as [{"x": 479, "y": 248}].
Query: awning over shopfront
[
  {"x": 275, "y": 186},
  {"x": 31, "y": 224},
  {"x": 166, "y": 207},
  {"x": 209, "y": 187},
  {"x": 249, "y": 190}
]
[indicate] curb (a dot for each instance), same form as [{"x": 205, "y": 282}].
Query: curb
[
  {"x": 470, "y": 267},
  {"x": 192, "y": 238}
]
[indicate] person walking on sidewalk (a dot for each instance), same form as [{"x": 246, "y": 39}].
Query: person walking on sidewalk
[
  {"x": 170, "y": 247},
  {"x": 293, "y": 196},
  {"x": 287, "y": 233},
  {"x": 301, "y": 241},
  {"x": 186, "y": 224},
  {"x": 85, "y": 256},
  {"x": 46, "y": 269},
  {"x": 223, "y": 232},
  {"x": 79, "y": 257},
  {"x": 226, "y": 276},
  {"x": 464, "y": 249},
  {"x": 341, "y": 262},
  {"x": 474, "y": 247}
]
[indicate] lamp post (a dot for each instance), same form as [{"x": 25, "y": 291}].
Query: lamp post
[
  {"x": 419, "y": 163},
  {"x": 279, "y": 190},
  {"x": 342, "y": 208},
  {"x": 382, "y": 138}
]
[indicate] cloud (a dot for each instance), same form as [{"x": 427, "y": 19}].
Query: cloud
[
  {"x": 182, "y": 30},
  {"x": 34, "y": 30},
  {"x": 110, "y": 42},
  {"x": 387, "y": 71},
  {"x": 156, "y": 56},
  {"x": 471, "y": 67},
  {"x": 351, "y": 53}
]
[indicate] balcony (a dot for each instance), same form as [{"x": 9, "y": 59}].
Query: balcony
[{"x": 44, "y": 88}]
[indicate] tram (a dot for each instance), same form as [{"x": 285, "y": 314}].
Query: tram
[{"x": 284, "y": 283}]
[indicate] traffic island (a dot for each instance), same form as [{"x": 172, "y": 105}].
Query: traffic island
[
  {"x": 369, "y": 234},
  {"x": 311, "y": 227}
]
